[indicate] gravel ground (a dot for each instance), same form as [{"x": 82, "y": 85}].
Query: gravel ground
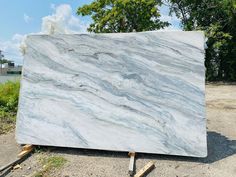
[{"x": 221, "y": 160}]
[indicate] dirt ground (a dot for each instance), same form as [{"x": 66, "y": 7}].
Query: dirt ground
[{"x": 221, "y": 160}]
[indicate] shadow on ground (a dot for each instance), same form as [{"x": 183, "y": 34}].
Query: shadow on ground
[{"x": 219, "y": 147}]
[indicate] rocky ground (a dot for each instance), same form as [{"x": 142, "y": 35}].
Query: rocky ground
[{"x": 66, "y": 162}]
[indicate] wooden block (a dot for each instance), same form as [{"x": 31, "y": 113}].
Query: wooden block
[
  {"x": 27, "y": 147},
  {"x": 25, "y": 150},
  {"x": 131, "y": 154},
  {"x": 131, "y": 162},
  {"x": 147, "y": 168}
]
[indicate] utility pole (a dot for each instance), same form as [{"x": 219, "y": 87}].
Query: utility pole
[{"x": 1, "y": 57}]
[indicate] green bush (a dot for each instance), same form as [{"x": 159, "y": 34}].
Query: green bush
[{"x": 9, "y": 93}]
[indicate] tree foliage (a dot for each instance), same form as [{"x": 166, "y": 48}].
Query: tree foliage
[
  {"x": 4, "y": 61},
  {"x": 218, "y": 19},
  {"x": 123, "y": 15}
]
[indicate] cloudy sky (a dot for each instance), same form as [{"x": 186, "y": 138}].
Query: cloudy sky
[{"x": 19, "y": 18}]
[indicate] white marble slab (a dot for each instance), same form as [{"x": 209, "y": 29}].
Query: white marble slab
[{"x": 141, "y": 92}]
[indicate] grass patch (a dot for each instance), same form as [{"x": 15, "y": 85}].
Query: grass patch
[
  {"x": 9, "y": 94},
  {"x": 7, "y": 121},
  {"x": 49, "y": 164}
]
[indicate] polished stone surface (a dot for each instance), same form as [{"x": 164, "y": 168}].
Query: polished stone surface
[{"x": 142, "y": 92}]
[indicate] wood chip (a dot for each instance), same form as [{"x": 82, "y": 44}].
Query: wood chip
[
  {"x": 17, "y": 167},
  {"x": 147, "y": 168}
]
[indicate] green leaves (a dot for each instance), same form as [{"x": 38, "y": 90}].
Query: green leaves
[
  {"x": 123, "y": 15},
  {"x": 9, "y": 93},
  {"x": 218, "y": 19}
]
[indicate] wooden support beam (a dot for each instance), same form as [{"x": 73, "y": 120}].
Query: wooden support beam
[
  {"x": 131, "y": 162},
  {"x": 24, "y": 152},
  {"x": 147, "y": 168}
]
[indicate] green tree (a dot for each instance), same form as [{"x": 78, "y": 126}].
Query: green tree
[
  {"x": 123, "y": 15},
  {"x": 5, "y": 61},
  {"x": 218, "y": 19}
]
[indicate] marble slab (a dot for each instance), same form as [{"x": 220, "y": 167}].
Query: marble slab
[{"x": 142, "y": 92}]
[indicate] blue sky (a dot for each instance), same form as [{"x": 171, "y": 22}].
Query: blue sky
[
  {"x": 21, "y": 17},
  {"x": 13, "y": 12}
]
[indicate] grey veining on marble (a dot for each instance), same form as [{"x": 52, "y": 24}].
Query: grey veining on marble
[{"x": 142, "y": 92}]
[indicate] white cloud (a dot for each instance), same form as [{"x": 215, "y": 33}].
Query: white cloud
[
  {"x": 168, "y": 18},
  {"x": 173, "y": 20},
  {"x": 11, "y": 48},
  {"x": 174, "y": 23},
  {"x": 18, "y": 37},
  {"x": 27, "y": 18},
  {"x": 62, "y": 21}
]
